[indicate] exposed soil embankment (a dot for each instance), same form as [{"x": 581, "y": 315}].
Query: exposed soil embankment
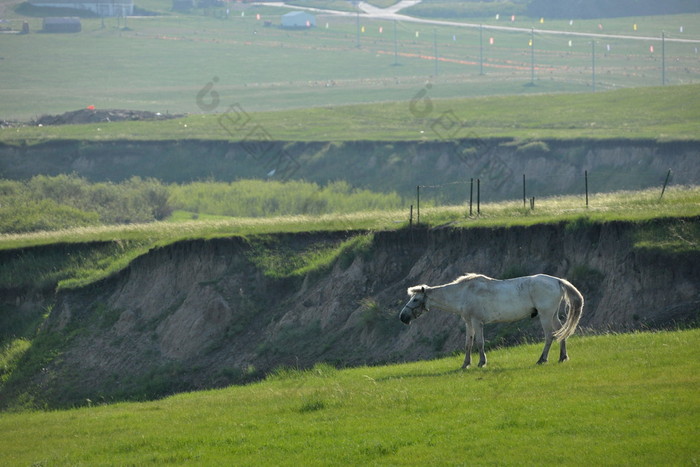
[
  {"x": 552, "y": 167},
  {"x": 201, "y": 313}
]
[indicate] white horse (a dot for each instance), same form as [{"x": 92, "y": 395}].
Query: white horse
[{"x": 479, "y": 300}]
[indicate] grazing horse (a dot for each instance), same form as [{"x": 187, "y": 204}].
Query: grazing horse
[{"x": 479, "y": 300}]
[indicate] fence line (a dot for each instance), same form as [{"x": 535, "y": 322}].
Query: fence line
[{"x": 526, "y": 199}]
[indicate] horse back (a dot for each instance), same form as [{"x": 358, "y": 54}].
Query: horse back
[{"x": 514, "y": 299}]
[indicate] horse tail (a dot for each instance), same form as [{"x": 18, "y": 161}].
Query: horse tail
[{"x": 574, "y": 305}]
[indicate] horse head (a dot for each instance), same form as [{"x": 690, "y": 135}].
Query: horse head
[{"x": 415, "y": 306}]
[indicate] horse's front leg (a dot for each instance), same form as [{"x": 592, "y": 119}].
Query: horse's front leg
[
  {"x": 468, "y": 347},
  {"x": 480, "y": 340}
]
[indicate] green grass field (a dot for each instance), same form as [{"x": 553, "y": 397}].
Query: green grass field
[
  {"x": 161, "y": 63},
  {"x": 658, "y": 113},
  {"x": 622, "y": 400}
]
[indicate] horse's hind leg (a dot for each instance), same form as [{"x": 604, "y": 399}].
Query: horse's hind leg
[
  {"x": 548, "y": 338},
  {"x": 563, "y": 356},
  {"x": 545, "y": 351},
  {"x": 556, "y": 322}
]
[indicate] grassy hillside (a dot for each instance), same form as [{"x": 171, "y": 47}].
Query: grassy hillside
[
  {"x": 661, "y": 113},
  {"x": 622, "y": 399}
]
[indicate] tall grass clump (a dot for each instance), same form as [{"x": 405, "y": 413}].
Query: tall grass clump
[
  {"x": 64, "y": 201},
  {"x": 257, "y": 198}
]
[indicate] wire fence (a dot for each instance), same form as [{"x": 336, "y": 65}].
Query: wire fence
[{"x": 430, "y": 195}]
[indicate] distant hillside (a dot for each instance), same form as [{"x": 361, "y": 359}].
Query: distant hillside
[{"x": 585, "y": 9}]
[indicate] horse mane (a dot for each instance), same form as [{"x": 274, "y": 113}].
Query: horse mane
[
  {"x": 464, "y": 278},
  {"x": 469, "y": 276}
]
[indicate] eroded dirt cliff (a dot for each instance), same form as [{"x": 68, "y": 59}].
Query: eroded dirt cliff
[{"x": 201, "y": 313}]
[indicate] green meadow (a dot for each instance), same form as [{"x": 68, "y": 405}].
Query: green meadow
[{"x": 626, "y": 399}]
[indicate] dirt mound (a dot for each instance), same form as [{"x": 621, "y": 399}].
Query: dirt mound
[{"x": 101, "y": 115}]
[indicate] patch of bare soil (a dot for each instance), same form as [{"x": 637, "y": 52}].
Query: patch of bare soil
[{"x": 99, "y": 116}]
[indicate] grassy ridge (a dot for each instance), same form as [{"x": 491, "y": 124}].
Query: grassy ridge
[
  {"x": 660, "y": 113},
  {"x": 622, "y": 399},
  {"x": 123, "y": 243}
]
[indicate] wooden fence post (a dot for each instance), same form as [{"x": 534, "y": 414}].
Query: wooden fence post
[
  {"x": 478, "y": 196},
  {"x": 668, "y": 175},
  {"x": 417, "y": 204},
  {"x": 471, "y": 195}
]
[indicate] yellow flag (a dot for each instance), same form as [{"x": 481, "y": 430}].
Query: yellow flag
[{"x": 634, "y": 26}]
